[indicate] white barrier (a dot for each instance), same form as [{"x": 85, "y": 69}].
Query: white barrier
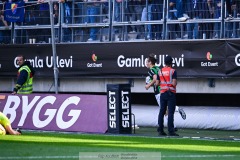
[{"x": 200, "y": 117}]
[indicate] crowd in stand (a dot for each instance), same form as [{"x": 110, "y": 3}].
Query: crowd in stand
[{"x": 125, "y": 20}]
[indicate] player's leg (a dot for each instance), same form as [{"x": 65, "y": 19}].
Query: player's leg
[
  {"x": 181, "y": 112},
  {"x": 157, "y": 96},
  {"x": 177, "y": 109}
]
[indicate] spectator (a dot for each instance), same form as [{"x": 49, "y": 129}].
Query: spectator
[
  {"x": 147, "y": 16},
  {"x": 56, "y": 20},
  {"x": 4, "y": 34},
  {"x": 157, "y": 14},
  {"x": 31, "y": 19},
  {"x": 207, "y": 13},
  {"x": 232, "y": 28},
  {"x": 81, "y": 11},
  {"x": 217, "y": 15},
  {"x": 237, "y": 15},
  {"x": 229, "y": 10},
  {"x": 67, "y": 32},
  {"x": 174, "y": 29},
  {"x": 105, "y": 11},
  {"x": 92, "y": 16},
  {"x": 139, "y": 9},
  {"x": 180, "y": 11},
  {"x": 56, "y": 12},
  {"x": 117, "y": 16},
  {"x": 43, "y": 19},
  {"x": 194, "y": 8},
  {"x": 134, "y": 13}
]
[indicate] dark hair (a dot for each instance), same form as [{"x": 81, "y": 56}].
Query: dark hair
[
  {"x": 22, "y": 57},
  {"x": 168, "y": 60},
  {"x": 152, "y": 58}
]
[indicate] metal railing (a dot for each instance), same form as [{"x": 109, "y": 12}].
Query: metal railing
[{"x": 123, "y": 20}]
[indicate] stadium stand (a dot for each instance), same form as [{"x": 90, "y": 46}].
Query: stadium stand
[{"x": 121, "y": 20}]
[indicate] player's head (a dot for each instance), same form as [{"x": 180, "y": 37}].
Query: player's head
[
  {"x": 151, "y": 60},
  {"x": 20, "y": 59},
  {"x": 168, "y": 60}
]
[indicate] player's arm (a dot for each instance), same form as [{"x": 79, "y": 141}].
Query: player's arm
[
  {"x": 7, "y": 125},
  {"x": 174, "y": 77},
  {"x": 157, "y": 81},
  {"x": 174, "y": 82},
  {"x": 20, "y": 81},
  {"x": 11, "y": 131}
]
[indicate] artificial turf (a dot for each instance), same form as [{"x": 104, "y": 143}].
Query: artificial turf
[{"x": 54, "y": 145}]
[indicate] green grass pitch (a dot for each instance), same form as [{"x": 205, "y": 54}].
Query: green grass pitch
[{"x": 53, "y": 145}]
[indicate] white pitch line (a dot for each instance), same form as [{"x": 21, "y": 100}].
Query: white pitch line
[
  {"x": 42, "y": 157},
  {"x": 74, "y": 157},
  {"x": 199, "y": 156}
]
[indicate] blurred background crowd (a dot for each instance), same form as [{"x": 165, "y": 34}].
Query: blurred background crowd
[{"x": 123, "y": 20}]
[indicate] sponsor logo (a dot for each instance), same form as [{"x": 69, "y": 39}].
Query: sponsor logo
[
  {"x": 37, "y": 62},
  {"x": 94, "y": 65},
  {"x": 94, "y": 57},
  {"x": 209, "y": 57},
  {"x": 123, "y": 61},
  {"x": 125, "y": 109},
  {"x": 112, "y": 109},
  {"x": 14, "y": 8},
  {"x": 64, "y": 116},
  {"x": 237, "y": 59}
]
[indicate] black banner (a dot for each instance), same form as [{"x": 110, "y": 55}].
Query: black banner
[{"x": 218, "y": 58}]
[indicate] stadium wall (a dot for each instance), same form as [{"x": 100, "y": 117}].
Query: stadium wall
[{"x": 95, "y": 85}]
